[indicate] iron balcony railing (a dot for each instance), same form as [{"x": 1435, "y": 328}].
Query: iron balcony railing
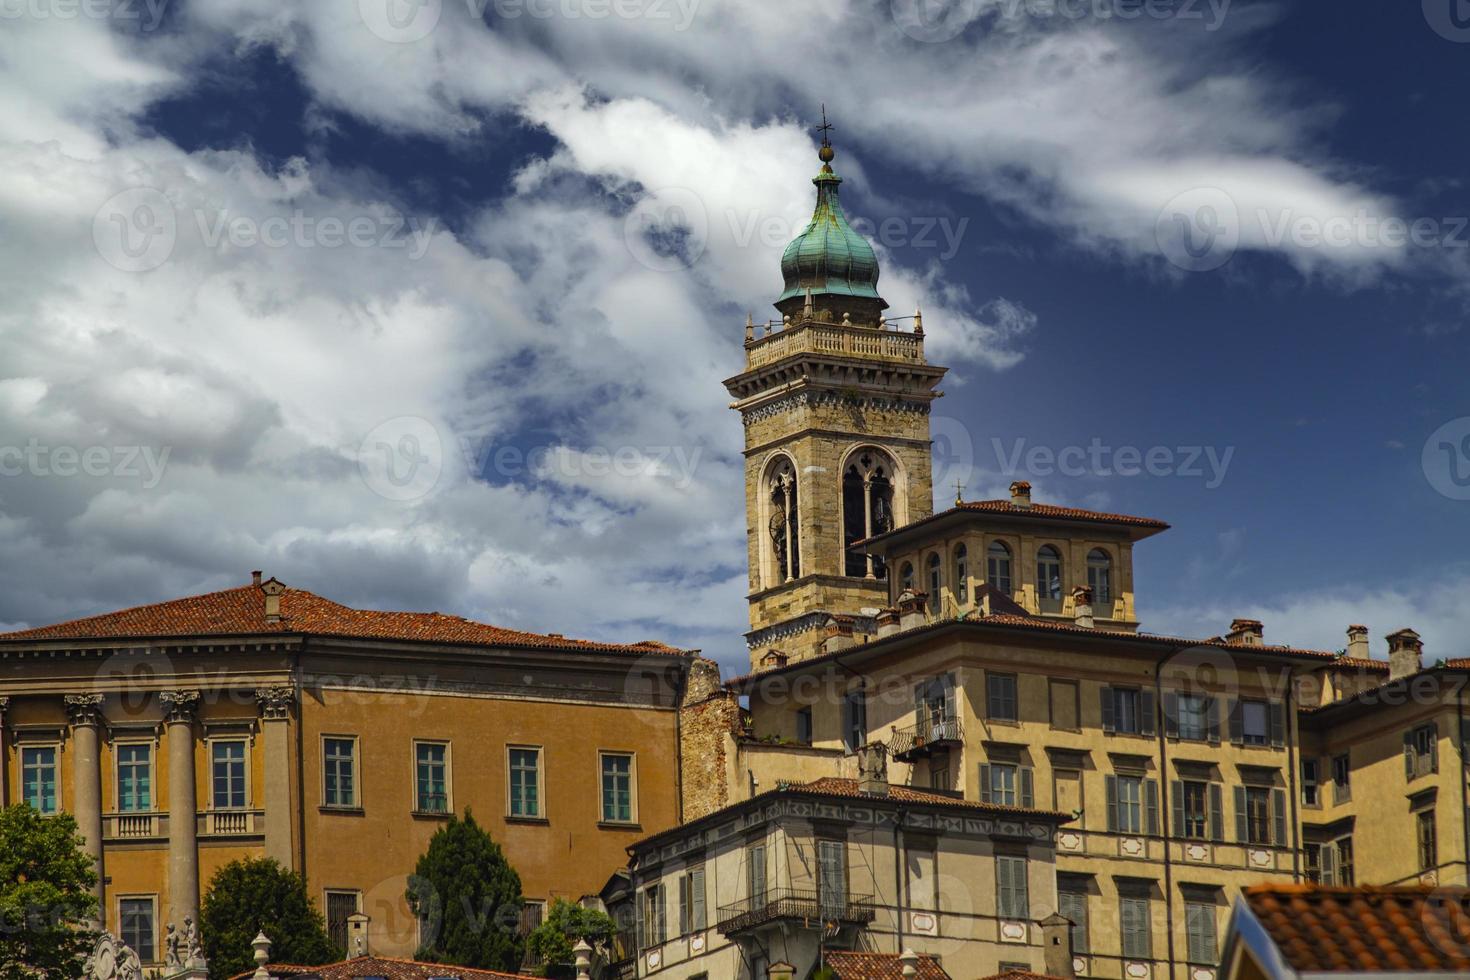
[
  {"x": 806, "y": 904},
  {"x": 921, "y": 739}
]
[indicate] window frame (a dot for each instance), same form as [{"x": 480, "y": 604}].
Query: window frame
[
  {"x": 998, "y": 576},
  {"x": 1141, "y": 903},
  {"x": 54, "y": 767},
  {"x": 1077, "y": 888},
  {"x": 961, "y": 559},
  {"x": 1046, "y": 556},
  {"x": 1246, "y": 738},
  {"x": 1101, "y": 596},
  {"x": 1311, "y": 786},
  {"x": 1198, "y": 908},
  {"x": 632, "y": 776},
  {"x": 855, "y": 710},
  {"x": 446, "y": 764},
  {"x": 150, "y": 956},
  {"x": 327, "y": 894},
  {"x": 355, "y": 772},
  {"x": 934, "y": 579},
  {"x": 1019, "y": 904},
  {"x": 151, "y": 767},
  {"x": 693, "y": 897},
  {"x": 1342, "y": 765},
  {"x": 244, "y": 743},
  {"x": 653, "y": 911},
  {"x": 539, "y": 752},
  {"x": 1010, "y": 698},
  {"x": 1426, "y": 847}
]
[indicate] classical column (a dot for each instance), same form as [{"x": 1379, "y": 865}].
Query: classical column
[
  {"x": 183, "y": 838},
  {"x": 275, "y": 711},
  {"x": 85, "y": 712},
  {"x": 4, "y": 755}
]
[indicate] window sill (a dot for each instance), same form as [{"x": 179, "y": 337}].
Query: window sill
[
  {"x": 346, "y": 811},
  {"x": 431, "y": 814},
  {"x": 512, "y": 818},
  {"x": 619, "y": 825}
]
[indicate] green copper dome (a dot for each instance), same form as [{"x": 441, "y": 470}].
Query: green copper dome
[{"x": 829, "y": 257}]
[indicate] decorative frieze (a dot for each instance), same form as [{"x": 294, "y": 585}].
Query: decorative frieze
[
  {"x": 83, "y": 709},
  {"x": 179, "y": 706},
  {"x": 275, "y": 702},
  {"x": 820, "y": 399}
]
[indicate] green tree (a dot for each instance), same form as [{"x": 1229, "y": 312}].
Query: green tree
[
  {"x": 468, "y": 900},
  {"x": 46, "y": 900},
  {"x": 258, "y": 895},
  {"x": 565, "y": 923}
]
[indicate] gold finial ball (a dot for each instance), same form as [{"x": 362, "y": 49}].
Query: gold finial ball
[{"x": 825, "y": 154}]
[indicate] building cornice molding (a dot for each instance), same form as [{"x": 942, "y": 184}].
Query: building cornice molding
[
  {"x": 83, "y": 709},
  {"x": 179, "y": 707}
]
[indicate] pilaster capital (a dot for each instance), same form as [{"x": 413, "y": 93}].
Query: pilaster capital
[
  {"x": 83, "y": 709},
  {"x": 275, "y": 702},
  {"x": 179, "y": 706},
  {"x": 4, "y": 703}
]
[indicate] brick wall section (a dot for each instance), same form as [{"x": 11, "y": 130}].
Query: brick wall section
[{"x": 708, "y": 719}]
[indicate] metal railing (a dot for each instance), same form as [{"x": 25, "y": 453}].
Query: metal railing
[
  {"x": 927, "y": 734},
  {"x": 795, "y": 903}
]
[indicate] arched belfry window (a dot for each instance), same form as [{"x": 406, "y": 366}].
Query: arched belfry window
[
  {"x": 867, "y": 509},
  {"x": 962, "y": 574},
  {"x": 784, "y": 524},
  {"x": 906, "y": 576},
  {"x": 998, "y": 572},
  {"x": 1049, "y": 578},
  {"x": 936, "y": 581},
  {"x": 1100, "y": 577}
]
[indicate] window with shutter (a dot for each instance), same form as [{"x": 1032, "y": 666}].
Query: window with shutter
[
  {"x": 755, "y": 872},
  {"x": 1217, "y": 812},
  {"x": 1134, "y": 916},
  {"x": 1191, "y": 809},
  {"x": 1105, "y": 706},
  {"x": 1111, "y": 782},
  {"x": 1146, "y": 713},
  {"x": 1278, "y": 817},
  {"x": 1345, "y": 876},
  {"x": 1072, "y": 904},
  {"x": 1278, "y": 723},
  {"x": 1028, "y": 794},
  {"x": 1011, "y": 900},
  {"x": 1200, "y": 921},
  {"x": 1151, "y": 806},
  {"x": 832, "y": 877},
  {"x": 1130, "y": 805}
]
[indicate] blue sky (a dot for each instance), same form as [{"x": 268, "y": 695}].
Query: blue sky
[{"x": 566, "y": 208}]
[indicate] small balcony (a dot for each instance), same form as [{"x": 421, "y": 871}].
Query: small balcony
[
  {"x": 923, "y": 740},
  {"x": 232, "y": 823},
  {"x": 789, "y": 904}
]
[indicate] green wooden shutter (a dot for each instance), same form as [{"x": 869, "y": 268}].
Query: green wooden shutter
[
  {"x": 1151, "y": 806},
  {"x": 947, "y": 686},
  {"x": 1278, "y": 813},
  {"x": 1277, "y": 711},
  {"x": 1171, "y": 714},
  {"x": 985, "y": 795},
  {"x": 1434, "y": 747},
  {"x": 1237, "y": 724},
  {"x": 1112, "y": 785},
  {"x": 1242, "y": 831},
  {"x": 1212, "y": 721},
  {"x": 1409, "y": 755},
  {"x": 1176, "y": 800},
  {"x": 1217, "y": 812},
  {"x": 1145, "y": 712},
  {"x": 1073, "y": 906},
  {"x": 697, "y": 899},
  {"x": 1105, "y": 703},
  {"x": 1327, "y": 864},
  {"x": 1028, "y": 799}
]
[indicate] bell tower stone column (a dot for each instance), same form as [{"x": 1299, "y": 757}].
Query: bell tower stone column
[
  {"x": 85, "y": 712},
  {"x": 180, "y": 708}
]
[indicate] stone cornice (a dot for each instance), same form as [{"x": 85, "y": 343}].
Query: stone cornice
[
  {"x": 275, "y": 702},
  {"x": 83, "y": 709},
  {"x": 179, "y": 706}
]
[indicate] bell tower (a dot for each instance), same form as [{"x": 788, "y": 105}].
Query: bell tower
[{"x": 835, "y": 400}]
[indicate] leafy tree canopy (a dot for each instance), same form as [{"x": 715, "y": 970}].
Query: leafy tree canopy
[
  {"x": 46, "y": 882},
  {"x": 565, "y": 923},
  {"x": 258, "y": 895},
  {"x": 468, "y": 900}
]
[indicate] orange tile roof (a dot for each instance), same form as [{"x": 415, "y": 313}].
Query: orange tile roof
[
  {"x": 1360, "y": 663},
  {"x": 879, "y": 966},
  {"x": 382, "y": 966},
  {"x": 1365, "y": 929},
  {"x": 1020, "y": 975},
  {"x": 241, "y": 612},
  {"x": 840, "y": 786},
  {"x": 1065, "y": 513}
]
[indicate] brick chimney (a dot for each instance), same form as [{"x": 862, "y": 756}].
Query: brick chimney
[
  {"x": 1056, "y": 937},
  {"x": 255, "y": 577},
  {"x": 703, "y": 681},
  {"x": 273, "y": 590},
  {"x": 838, "y": 635},
  {"x": 911, "y": 609},
  {"x": 1246, "y": 631},
  {"x": 1021, "y": 493},
  {"x": 1082, "y": 607},
  {"x": 1357, "y": 646},
  {"x": 873, "y": 769},
  {"x": 1405, "y": 654},
  {"x": 888, "y": 622}
]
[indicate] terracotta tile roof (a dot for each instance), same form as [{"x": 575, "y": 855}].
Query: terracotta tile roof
[
  {"x": 241, "y": 612},
  {"x": 1065, "y": 513},
  {"x": 382, "y": 966},
  {"x": 1020, "y": 975},
  {"x": 839, "y": 786},
  {"x": 1359, "y": 663},
  {"x": 879, "y": 966},
  {"x": 1366, "y": 929}
]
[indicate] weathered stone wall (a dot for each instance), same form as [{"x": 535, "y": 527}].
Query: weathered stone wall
[{"x": 708, "y": 721}]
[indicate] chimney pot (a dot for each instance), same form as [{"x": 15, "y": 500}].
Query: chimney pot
[
  {"x": 888, "y": 622},
  {"x": 910, "y": 961},
  {"x": 873, "y": 769},
  {"x": 838, "y": 634},
  {"x": 255, "y": 578},
  {"x": 1248, "y": 632},
  {"x": 1082, "y": 607},
  {"x": 1405, "y": 654},
  {"x": 1057, "y": 954},
  {"x": 774, "y": 658},
  {"x": 1021, "y": 493},
  {"x": 1357, "y": 646},
  {"x": 911, "y": 609}
]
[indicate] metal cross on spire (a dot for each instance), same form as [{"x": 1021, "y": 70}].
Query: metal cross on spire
[
  {"x": 826, "y": 127},
  {"x": 959, "y": 492}
]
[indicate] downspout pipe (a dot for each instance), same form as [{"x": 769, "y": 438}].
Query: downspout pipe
[
  {"x": 1165, "y": 809},
  {"x": 1464, "y": 788}
]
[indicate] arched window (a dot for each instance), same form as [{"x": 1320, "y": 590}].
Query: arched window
[
  {"x": 1100, "y": 577},
  {"x": 998, "y": 572},
  {"x": 962, "y": 575},
  {"x": 906, "y": 576},
  {"x": 1049, "y": 578},
  {"x": 936, "y": 579},
  {"x": 867, "y": 509},
  {"x": 784, "y": 525}
]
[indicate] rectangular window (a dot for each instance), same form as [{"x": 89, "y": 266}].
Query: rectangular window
[
  {"x": 1072, "y": 904},
  {"x": 1194, "y": 810},
  {"x": 1130, "y": 805},
  {"x": 340, "y": 905},
  {"x": 1345, "y": 862},
  {"x": 136, "y": 927},
  {"x": 1421, "y": 751},
  {"x": 1012, "y": 901},
  {"x": 431, "y": 777},
  {"x": 339, "y": 772},
  {"x": 533, "y": 913},
  {"x": 691, "y": 902},
  {"x": 1136, "y": 926},
  {"x": 1199, "y": 919},
  {"x": 920, "y": 859},
  {"x": 804, "y": 725},
  {"x": 832, "y": 877},
  {"x": 755, "y": 873},
  {"x": 1255, "y": 723},
  {"x": 1127, "y": 711},
  {"x": 1194, "y": 717},
  {"x": 1311, "y": 790},
  {"x": 1342, "y": 787},
  {"x": 1428, "y": 845},
  {"x": 525, "y": 782},
  {"x": 1258, "y": 814},
  {"x": 134, "y": 769},
  {"x": 617, "y": 787},
  {"x": 1000, "y": 697},
  {"x": 227, "y": 775},
  {"x": 855, "y": 717},
  {"x": 653, "y": 916},
  {"x": 1063, "y": 703},
  {"x": 1007, "y": 784},
  {"x": 38, "y": 777}
]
